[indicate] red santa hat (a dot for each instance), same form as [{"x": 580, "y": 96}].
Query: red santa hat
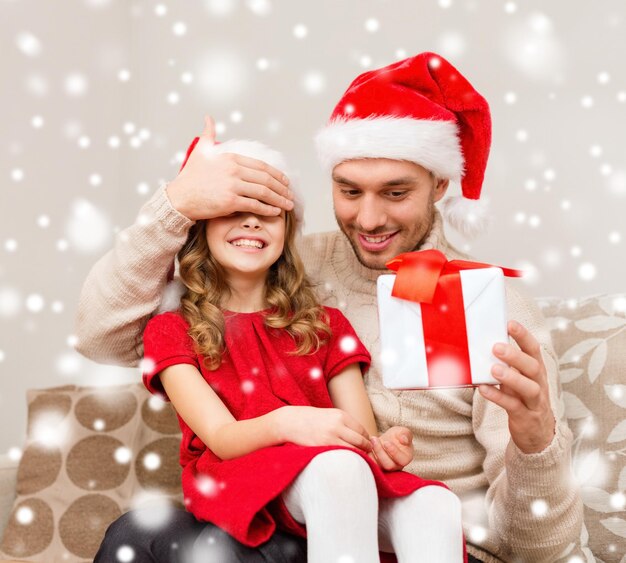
[{"x": 423, "y": 110}]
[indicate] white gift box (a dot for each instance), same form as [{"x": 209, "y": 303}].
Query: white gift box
[{"x": 403, "y": 350}]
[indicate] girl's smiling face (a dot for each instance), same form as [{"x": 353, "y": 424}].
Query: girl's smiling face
[{"x": 246, "y": 244}]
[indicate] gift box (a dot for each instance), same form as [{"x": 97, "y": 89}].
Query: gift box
[{"x": 439, "y": 321}]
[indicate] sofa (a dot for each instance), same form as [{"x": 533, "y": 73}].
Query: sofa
[{"x": 107, "y": 450}]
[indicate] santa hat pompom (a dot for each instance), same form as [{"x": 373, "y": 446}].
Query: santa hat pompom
[{"x": 470, "y": 217}]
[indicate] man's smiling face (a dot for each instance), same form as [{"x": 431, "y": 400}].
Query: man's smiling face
[{"x": 384, "y": 207}]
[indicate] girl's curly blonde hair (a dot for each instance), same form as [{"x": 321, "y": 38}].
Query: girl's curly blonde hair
[{"x": 287, "y": 291}]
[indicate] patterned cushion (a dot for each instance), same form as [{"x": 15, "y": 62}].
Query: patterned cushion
[
  {"x": 590, "y": 340},
  {"x": 91, "y": 454}
]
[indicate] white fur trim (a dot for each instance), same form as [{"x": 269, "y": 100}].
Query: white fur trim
[
  {"x": 254, "y": 149},
  {"x": 468, "y": 216},
  {"x": 432, "y": 144},
  {"x": 171, "y": 296}
]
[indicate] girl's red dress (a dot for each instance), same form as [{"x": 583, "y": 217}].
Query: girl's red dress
[{"x": 257, "y": 375}]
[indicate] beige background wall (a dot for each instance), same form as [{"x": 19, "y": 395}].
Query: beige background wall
[{"x": 100, "y": 97}]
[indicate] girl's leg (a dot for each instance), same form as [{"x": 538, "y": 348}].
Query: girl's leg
[
  {"x": 335, "y": 497},
  {"x": 426, "y": 522}
]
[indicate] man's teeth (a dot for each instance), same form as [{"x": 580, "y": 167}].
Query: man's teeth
[
  {"x": 248, "y": 243},
  {"x": 376, "y": 239}
]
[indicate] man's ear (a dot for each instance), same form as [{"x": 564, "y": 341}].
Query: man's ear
[{"x": 441, "y": 188}]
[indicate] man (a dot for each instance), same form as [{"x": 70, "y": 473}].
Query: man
[{"x": 393, "y": 143}]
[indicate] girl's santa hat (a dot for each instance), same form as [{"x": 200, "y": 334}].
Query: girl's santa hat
[{"x": 423, "y": 110}]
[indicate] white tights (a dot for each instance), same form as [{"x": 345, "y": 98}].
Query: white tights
[{"x": 335, "y": 497}]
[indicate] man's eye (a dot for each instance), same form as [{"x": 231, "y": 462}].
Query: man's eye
[
  {"x": 396, "y": 194},
  {"x": 350, "y": 193}
]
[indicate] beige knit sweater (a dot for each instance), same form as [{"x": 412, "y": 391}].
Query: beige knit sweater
[{"x": 459, "y": 437}]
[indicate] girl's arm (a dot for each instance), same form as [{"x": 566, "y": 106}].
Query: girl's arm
[
  {"x": 393, "y": 450},
  {"x": 205, "y": 413}
]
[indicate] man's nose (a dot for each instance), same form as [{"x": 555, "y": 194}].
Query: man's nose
[{"x": 371, "y": 215}]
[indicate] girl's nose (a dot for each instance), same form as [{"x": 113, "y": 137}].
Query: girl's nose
[{"x": 251, "y": 221}]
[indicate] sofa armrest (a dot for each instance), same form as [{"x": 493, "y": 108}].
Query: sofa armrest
[{"x": 8, "y": 479}]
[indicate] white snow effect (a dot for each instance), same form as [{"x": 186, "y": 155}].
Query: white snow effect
[
  {"x": 173, "y": 98},
  {"x": 17, "y": 174},
  {"x": 606, "y": 169},
  {"x": 125, "y": 554},
  {"x": 534, "y": 221},
  {"x": 595, "y": 151},
  {"x": 99, "y": 425},
  {"x": 314, "y": 82},
  {"x": 262, "y": 64},
  {"x": 113, "y": 141},
  {"x": 477, "y": 534},
  {"x": 315, "y": 373},
  {"x": 222, "y": 76},
  {"x": 14, "y": 453},
  {"x": 186, "y": 77},
  {"x": 619, "y": 304},
  {"x": 147, "y": 365},
  {"x": 179, "y": 29},
  {"x": 220, "y": 128},
  {"x": 37, "y": 85},
  {"x": 617, "y": 183},
  {"x": 247, "y": 386},
  {"x": 452, "y": 44},
  {"x": 206, "y": 485},
  {"x": 76, "y": 84},
  {"x": 510, "y": 7},
  {"x": 401, "y": 54},
  {"x": 300, "y": 31},
  {"x": 551, "y": 257},
  {"x": 618, "y": 500},
  {"x": 365, "y": 61},
  {"x": 347, "y": 344},
  {"x": 566, "y": 205},
  {"x": 35, "y": 303},
  {"x": 10, "y": 302},
  {"x": 445, "y": 4},
  {"x": 372, "y": 25},
  {"x": 259, "y": 7},
  {"x": 510, "y": 98},
  {"x": 531, "y": 273},
  {"x": 160, "y": 10},
  {"x": 587, "y": 102},
  {"x": 539, "y": 508},
  {"x": 129, "y": 127},
  {"x": 587, "y": 271},
  {"x": 621, "y": 96},
  {"x": 152, "y": 461},
  {"x": 236, "y": 116},
  {"x": 575, "y": 559},
  {"x": 29, "y": 44},
  {"x": 122, "y": 455},
  {"x": 25, "y": 515},
  {"x": 123, "y": 75},
  {"x": 43, "y": 221},
  {"x": 51, "y": 429},
  {"x": 37, "y": 121},
  {"x": 604, "y": 77},
  {"x": 69, "y": 363},
  {"x": 143, "y": 188},
  {"x": 95, "y": 180},
  {"x": 575, "y": 251},
  {"x": 62, "y": 245},
  {"x": 88, "y": 229},
  {"x": 84, "y": 142},
  {"x": 220, "y": 8},
  {"x": 152, "y": 509},
  {"x": 521, "y": 135},
  {"x": 532, "y": 47},
  {"x": 10, "y": 245},
  {"x": 156, "y": 403}
]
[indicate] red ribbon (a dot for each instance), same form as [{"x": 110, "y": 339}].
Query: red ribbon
[{"x": 429, "y": 278}]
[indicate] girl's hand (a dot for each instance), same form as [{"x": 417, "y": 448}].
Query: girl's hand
[
  {"x": 393, "y": 449},
  {"x": 312, "y": 426},
  {"x": 222, "y": 184}
]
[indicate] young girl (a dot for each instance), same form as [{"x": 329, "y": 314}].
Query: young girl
[{"x": 277, "y": 427}]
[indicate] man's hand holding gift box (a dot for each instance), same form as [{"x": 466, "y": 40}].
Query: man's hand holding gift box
[{"x": 443, "y": 324}]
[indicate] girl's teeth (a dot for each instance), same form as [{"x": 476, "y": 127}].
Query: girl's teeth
[{"x": 248, "y": 243}]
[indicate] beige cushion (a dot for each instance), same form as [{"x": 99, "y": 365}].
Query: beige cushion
[
  {"x": 90, "y": 455},
  {"x": 590, "y": 339}
]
